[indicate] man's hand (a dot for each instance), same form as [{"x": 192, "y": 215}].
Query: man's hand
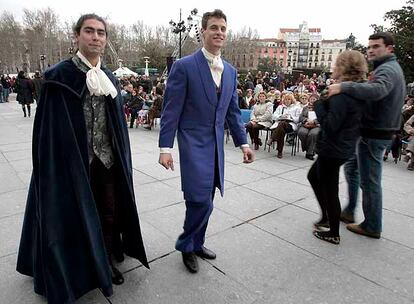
[
  {"x": 334, "y": 89},
  {"x": 166, "y": 161},
  {"x": 248, "y": 155}
]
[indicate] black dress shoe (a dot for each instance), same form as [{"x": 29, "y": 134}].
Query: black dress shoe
[
  {"x": 119, "y": 257},
  {"x": 117, "y": 277},
  {"x": 205, "y": 253},
  {"x": 190, "y": 261},
  {"x": 309, "y": 156}
]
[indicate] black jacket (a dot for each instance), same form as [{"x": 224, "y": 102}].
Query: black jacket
[
  {"x": 62, "y": 245},
  {"x": 25, "y": 91},
  {"x": 340, "y": 118}
]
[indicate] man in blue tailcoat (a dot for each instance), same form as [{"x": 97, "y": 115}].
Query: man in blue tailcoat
[{"x": 201, "y": 95}]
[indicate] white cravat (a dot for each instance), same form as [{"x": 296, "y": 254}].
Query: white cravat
[
  {"x": 97, "y": 81},
  {"x": 216, "y": 66}
]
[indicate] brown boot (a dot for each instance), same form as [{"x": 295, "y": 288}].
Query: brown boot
[{"x": 356, "y": 228}]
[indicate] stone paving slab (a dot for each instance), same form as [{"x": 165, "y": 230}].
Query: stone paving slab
[
  {"x": 13, "y": 202},
  {"x": 246, "y": 204},
  {"x": 3, "y": 159},
  {"x": 269, "y": 166},
  {"x": 280, "y": 189},
  {"x": 13, "y": 147},
  {"x": 9, "y": 179},
  {"x": 398, "y": 202},
  {"x": 18, "y": 155},
  {"x": 279, "y": 272},
  {"x": 140, "y": 178},
  {"x": 149, "y": 196},
  {"x": 22, "y": 165},
  {"x": 166, "y": 284},
  {"x": 382, "y": 261},
  {"x": 25, "y": 177},
  {"x": 398, "y": 228},
  {"x": 10, "y": 228},
  {"x": 235, "y": 157},
  {"x": 157, "y": 171},
  {"x": 242, "y": 174}
]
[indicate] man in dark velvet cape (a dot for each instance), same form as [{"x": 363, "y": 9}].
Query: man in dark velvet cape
[{"x": 62, "y": 245}]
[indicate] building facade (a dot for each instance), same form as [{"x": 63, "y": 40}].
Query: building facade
[{"x": 294, "y": 48}]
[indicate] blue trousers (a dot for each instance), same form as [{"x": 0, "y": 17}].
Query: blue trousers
[
  {"x": 370, "y": 153},
  {"x": 353, "y": 181},
  {"x": 195, "y": 225}
]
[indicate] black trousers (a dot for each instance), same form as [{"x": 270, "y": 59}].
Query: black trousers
[
  {"x": 278, "y": 134},
  {"x": 134, "y": 115},
  {"x": 324, "y": 179},
  {"x": 103, "y": 187},
  {"x": 253, "y": 130}
]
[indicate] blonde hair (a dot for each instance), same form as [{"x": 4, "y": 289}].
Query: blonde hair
[
  {"x": 351, "y": 66},
  {"x": 289, "y": 96}
]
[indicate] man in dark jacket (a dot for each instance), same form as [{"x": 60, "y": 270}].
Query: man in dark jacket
[
  {"x": 384, "y": 95},
  {"x": 5, "y": 82},
  {"x": 81, "y": 209},
  {"x": 37, "y": 83}
]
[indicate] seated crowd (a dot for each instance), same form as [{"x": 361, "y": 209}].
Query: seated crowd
[
  {"x": 286, "y": 107},
  {"x": 283, "y": 112},
  {"x": 142, "y": 100}
]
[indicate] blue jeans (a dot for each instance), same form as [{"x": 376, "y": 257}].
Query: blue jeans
[
  {"x": 5, "y": 94},
  {"x": 370, "y": 153},
  {"x": 353, "y": 181}
]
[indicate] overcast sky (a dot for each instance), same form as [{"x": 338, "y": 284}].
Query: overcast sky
[{"x": 337, "y": 19}]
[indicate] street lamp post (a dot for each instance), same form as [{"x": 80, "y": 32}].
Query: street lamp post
[
  {"x": 42, "y": 62},
  {"x": 180, "y": 27},
  {"x": 146, "y": 58}
]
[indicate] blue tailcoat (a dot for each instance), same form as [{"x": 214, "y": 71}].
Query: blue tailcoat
[{"x": 193, "y": 111}]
